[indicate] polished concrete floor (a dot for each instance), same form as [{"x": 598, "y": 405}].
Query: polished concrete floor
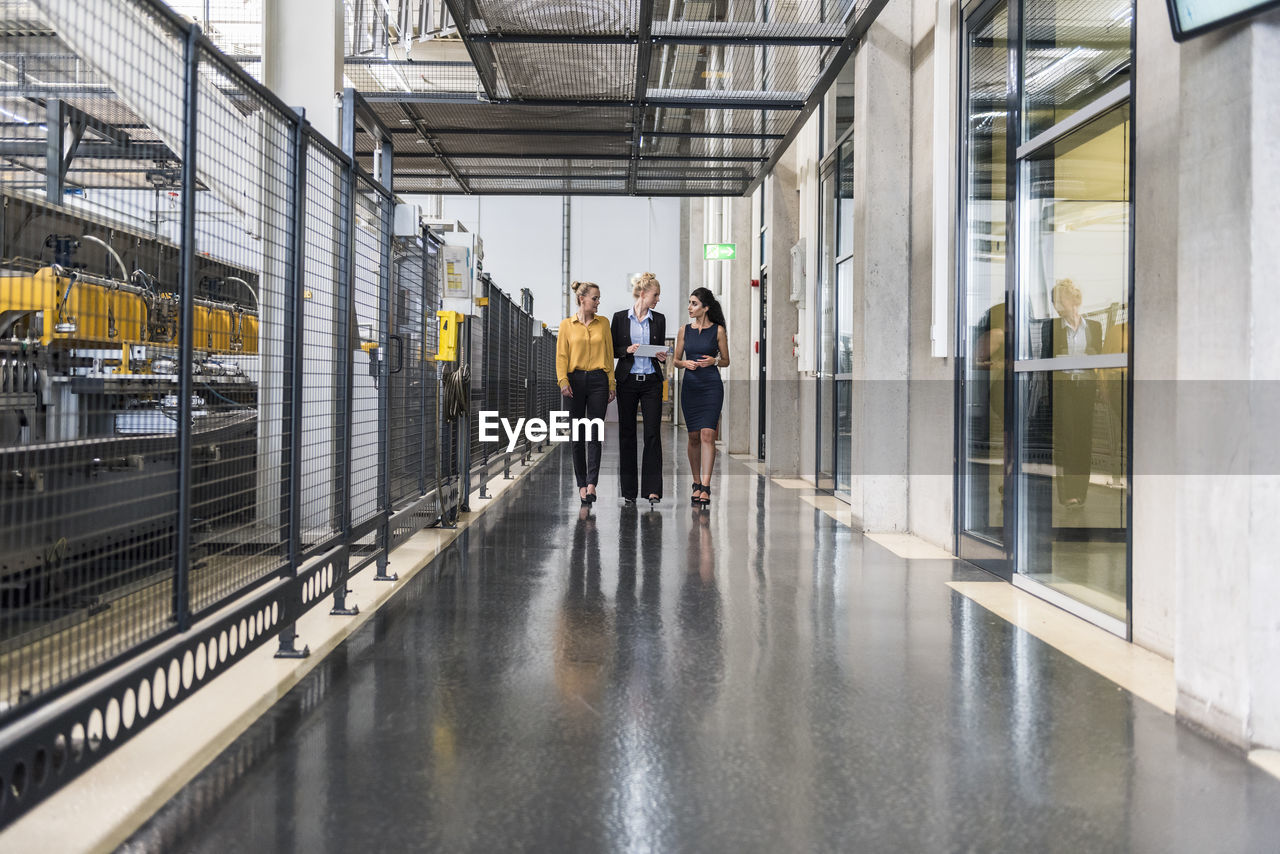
[{"x": 756, "y": 677}]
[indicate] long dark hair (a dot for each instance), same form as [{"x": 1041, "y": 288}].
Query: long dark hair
[{"x": 714, "y": 311}]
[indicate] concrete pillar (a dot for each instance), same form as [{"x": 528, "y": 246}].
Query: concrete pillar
[
  {"x": 1227, "y": 638},
  {"x": 735, "y": 426},
  {"x": 932, "y": 389},
  {"x": 302, "y": 47},
  {"x": 881, "y": 272},
  {"x": 782, "y": 395},
  {"x": 1155, "y": 362}
]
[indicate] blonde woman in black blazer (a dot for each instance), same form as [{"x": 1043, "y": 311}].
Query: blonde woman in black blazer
[{"x": 639, "y": 381}]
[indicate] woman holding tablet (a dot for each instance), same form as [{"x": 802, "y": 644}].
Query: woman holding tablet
[
  {"x": 639, "y": 380},
  {"x": 702, "y": 348}
]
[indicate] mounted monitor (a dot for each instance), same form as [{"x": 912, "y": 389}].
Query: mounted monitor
[{"x": 1191, "y": 18}]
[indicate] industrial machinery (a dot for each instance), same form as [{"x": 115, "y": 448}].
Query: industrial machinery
[{"x": 89, "y": 380}]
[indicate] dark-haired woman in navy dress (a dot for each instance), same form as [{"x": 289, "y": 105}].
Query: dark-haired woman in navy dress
[{"x": 702, "y": 348}]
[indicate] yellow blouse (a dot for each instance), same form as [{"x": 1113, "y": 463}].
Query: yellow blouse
[{"x": 584, "y": 348}]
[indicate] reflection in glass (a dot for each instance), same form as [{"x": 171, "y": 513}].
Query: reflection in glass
[
  {"x": 844, "y": 215},
  {"x": 1075, "y": 51},
  {"x": 1076, "y": 225},
  {"x": 826, "y": 334},
  {"x": 983, "y": 309},
  {"x": 1073, "y": 482},
  {"x": 844, "y": 374},
  {"x": 844, "y": 96}
]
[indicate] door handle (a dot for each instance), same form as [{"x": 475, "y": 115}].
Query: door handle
[{"x": 399, "y": 353}]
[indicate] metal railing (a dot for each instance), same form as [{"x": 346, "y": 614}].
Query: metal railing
[{"x": 218, "y": 389}]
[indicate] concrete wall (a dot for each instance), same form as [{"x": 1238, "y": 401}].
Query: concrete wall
[
  {"x": 1155, "y": 351},
  {"x": 881, "y": 270},
  {"x": 1226, "y": 635}
]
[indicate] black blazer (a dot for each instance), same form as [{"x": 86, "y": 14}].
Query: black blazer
[
  {"x": 1054, "y": 342},
  {"x": 621, "y": 327}
]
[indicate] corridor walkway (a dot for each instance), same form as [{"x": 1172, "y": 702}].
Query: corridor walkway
[{"x": 752, "y": 678}]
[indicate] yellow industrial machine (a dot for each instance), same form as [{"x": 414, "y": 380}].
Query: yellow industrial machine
[
  {"x": 90, "y": 377},
  {"x": 74, "y": 306}
]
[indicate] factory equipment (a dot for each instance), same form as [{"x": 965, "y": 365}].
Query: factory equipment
[{"x": 89, "y": 383}]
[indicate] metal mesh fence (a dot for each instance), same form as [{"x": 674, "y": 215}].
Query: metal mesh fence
[
  {"x": 217, "y": 370},
  {"x": 243, "y": 157},
  {"x": 87, "y": 453},
  {"x": 369, "y": 350}
]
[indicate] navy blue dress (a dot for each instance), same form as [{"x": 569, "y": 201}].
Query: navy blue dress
[{"x": 701, "y": 390}]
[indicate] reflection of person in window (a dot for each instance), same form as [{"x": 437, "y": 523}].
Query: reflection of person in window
[{"x": 1074, "y": 392}]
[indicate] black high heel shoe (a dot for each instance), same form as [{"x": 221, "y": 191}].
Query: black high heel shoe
[
  {"x": 654, "y": 500},
  {"x": 591, "y": 498},
  {"x": 693, "y": 498},
  {"x": 705, "y": 502}
]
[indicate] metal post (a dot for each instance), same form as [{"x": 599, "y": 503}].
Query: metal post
[
  {"x": 294, "y": 374},
  {"x": 57, "y": 125},
  {"x": 428, "y": 316},
  {"x": 383, "y": 535},
  {"x": 186, "y": 334},
  {"x": 294, "y": 329},
  {"x": 464, "y": 426},
  {"x": 344, "y": 300}
]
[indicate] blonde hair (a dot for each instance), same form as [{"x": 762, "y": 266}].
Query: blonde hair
[
  {"x": 642, "y": 283},
  {"x": 581, "y": 289},
  {"x": 1063, "y": 291}
]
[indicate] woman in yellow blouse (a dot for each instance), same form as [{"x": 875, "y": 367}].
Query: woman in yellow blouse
[{"x": 584, "y": 369}]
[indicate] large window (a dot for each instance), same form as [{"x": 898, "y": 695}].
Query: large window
[
  {"x": 835, "y": 321},
  {"x": 1046, "y": 284}
]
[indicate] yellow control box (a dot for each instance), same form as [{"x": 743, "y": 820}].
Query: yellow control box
[{"x": 450, "y": 324}]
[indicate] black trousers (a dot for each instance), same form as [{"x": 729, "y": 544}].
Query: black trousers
[
  {"x": 645, "y": 395},
  {"x": 590, "y": 400}
]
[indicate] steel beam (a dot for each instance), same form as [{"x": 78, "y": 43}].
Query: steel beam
[
  {"x": 644, "y": 54},
  {"x": 645, "y": 39},
  {"x": 435, "y": 148}
]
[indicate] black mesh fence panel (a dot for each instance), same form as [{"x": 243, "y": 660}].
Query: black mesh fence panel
[
  {"x": 369, "y": 350},
  {"x": 89, "y": 406},
  {"x": 325, "y": 355},
  {"x": 407, "y": 370},
  {"x": 243, "y": 222}
]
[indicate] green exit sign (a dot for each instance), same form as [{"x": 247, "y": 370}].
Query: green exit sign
[{"x": 719, "y": 251}]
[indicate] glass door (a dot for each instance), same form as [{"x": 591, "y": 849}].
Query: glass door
[
  {"x": 1072, "y": 369},
  {"x": 982, "y": 431},
  {"x": 1045, "y": 285},
  {"x": 842, "y": 311}
]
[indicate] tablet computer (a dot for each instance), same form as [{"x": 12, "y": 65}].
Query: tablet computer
[{"x": 649, "y": 350}]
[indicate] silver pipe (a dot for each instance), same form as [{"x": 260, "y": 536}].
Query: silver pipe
[
  {"x": 124, "y": 272},
  {"x": 257, "y": 306},
  {"x": 129, "y": 287}
]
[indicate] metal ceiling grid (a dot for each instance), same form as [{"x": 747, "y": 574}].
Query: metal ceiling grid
[{"x": 665, "y": 97}]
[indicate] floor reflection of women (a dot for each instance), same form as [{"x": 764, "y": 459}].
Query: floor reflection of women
[
  {"x": 584, "y": 635},
  {"x": 638, "y": 600},
  {"x": 701, "y": 659}
]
